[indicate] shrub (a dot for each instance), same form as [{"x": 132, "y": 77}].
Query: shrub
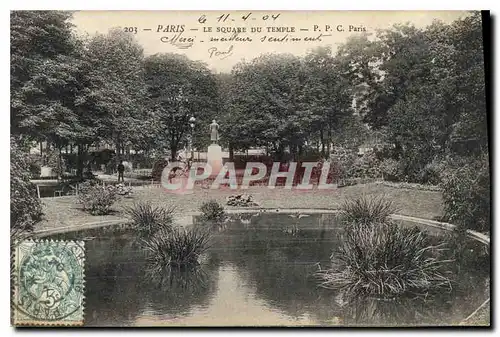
[
  {"x": 97, "y": 199},
  {"x": 212, "y": 211},
  {"x": 367, "y": 210},
  {"x": 158, "y": 167},
  {"x": 366, "y": 166},
  {"x": 385, "y": 259},
  {"x": 431, "y": 173},
  {"x": 25, "y": 207},
  {"x": 466, "y": 193},
  {"x": 148, "y": 219},
  {"x": 391, "y": 170},
  {"x": 179, "y": 247},
  {"x": 343, "y": 160}
]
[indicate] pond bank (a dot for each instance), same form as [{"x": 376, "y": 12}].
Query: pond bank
[
  {"x": 65, "y": 212},
  {"x": 64, "y": 215}
]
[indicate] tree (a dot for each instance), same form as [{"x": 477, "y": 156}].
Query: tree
[
  {"x": 268, "y": 101},
  {"x": 50, "y": 82},
  {"x": 25, "y": 207},
  {"x": 469, "y": 133},
  {"x": 178, "y": 89},
  {"x": 329, "y": 95},
  {"x": 236, "y": 135},
  {"x": 43, "y": 50},
  {"x": 424, "y": 88},
  {"x": 118, "y": 88}
]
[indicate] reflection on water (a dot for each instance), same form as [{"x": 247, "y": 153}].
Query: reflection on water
[{"x": 257, "y": 272}]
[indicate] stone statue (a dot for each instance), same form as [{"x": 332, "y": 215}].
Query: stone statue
[{"x": 214, "y": 132}]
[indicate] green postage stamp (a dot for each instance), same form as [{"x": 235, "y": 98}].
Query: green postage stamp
[{"x": 48, "y": 283}]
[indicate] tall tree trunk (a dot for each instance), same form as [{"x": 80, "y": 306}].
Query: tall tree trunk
[
  {"x": 293, "y": 151},
  {"x": 59, "y": 163},
  {"x": 173, "y": 151},
  {"x": 79, "y": 164},
  {"x": 321, "y": 136},
  {"x": 280, "y": 152},
  {"x": 329, "y": 140},
  {"x": 173, "y": 148},
  {"x": 231, "y": 152},
  {"x": 119, "y": 154}
]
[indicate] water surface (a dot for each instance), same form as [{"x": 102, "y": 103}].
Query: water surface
[{"x": 258, "y": 271}]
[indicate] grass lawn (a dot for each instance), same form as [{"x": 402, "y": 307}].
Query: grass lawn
[{"x": 64, "y": 211}]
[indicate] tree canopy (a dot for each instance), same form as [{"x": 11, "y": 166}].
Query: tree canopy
[{"x": 423, "y": 89}]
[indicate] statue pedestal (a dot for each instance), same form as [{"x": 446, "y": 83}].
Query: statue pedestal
[{"x": 214, "y": 158}]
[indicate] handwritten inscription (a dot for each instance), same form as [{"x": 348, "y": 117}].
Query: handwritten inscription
[
  {"x": 220, "y": 54},
  {"x": 228, "y": 17},
  {"x": 179, "y": 41},
  {"x": 232, "y": 29}
]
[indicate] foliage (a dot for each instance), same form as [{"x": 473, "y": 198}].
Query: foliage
[
  {"x": 466, "y": 193},
  {"x": 42, "y": 57},
  {"x": 158, "y": 167},
  {"x": 117, "y": 89},
  {"x": 385, "y": 259},
  {"x": 97, "y": 199},
  {"x": 365, "y": 166},
  {"x": 149, "y": 219},
  {"x": 178, "y": 89},
  {"x": 424, "y": 87},
  {"x": 391, "y": 169},
  {"x": 25, "y": 207},
  {"x": 328, "y": 98},
  {"x": 343, "y": 160},
  {"x": 179, "y": 247},
  {"x": 283, "y": 101},
  {"x": 431, "y": 173},
  {"x": 367, "y": 210},
  {"x": 212, "y": 211}
]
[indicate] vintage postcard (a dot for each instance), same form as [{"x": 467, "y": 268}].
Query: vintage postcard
[{"x": 250, "y": 168}]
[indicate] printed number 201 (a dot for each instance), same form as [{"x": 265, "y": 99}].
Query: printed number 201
[{"x": 131, "y": 30}]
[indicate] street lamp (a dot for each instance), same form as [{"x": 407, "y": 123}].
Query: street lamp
[{"x": 192, "y": 120}]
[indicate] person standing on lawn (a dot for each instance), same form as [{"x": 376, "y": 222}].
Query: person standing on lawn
[{"x": 121, "y": 169}]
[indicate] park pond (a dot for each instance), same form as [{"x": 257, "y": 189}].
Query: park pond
[{"x": 259, "y": 270}]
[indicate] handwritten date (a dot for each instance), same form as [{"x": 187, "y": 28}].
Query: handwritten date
[{"x": 228, "y": 17}]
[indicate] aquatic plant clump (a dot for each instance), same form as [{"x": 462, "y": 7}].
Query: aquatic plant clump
[
  {"x": 179, "y": 247},
  {"x": 367, "y": 210},
  {"x": 149, "y": 219},
  {"x": 385, "y": 259}
]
